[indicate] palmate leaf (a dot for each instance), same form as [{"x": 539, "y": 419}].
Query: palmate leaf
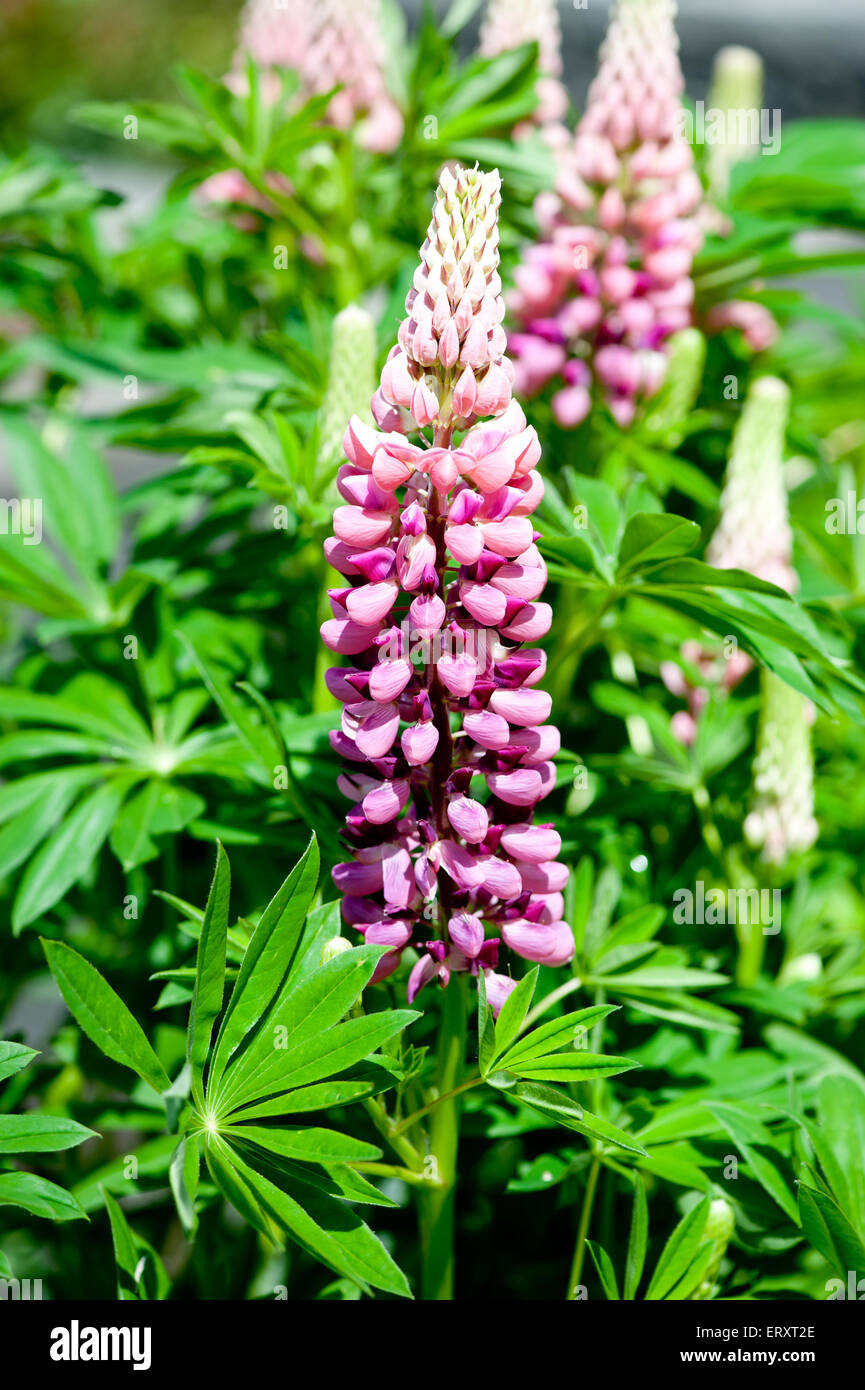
[
  {"x": 267, "y": 960},
  {"x": 302, "y": 1031},
  {"x": 68, "y": 853},
  {"x": 284, "y": 1039},
  {"x": 326, "y": 1227}
]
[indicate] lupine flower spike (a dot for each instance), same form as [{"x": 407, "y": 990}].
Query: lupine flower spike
[
  {"x": 781, "y": 820},
  {"x": 350, "y": 380},
  {"x": 598, "y": 298},
  {"x": 444, "y": 737},
  {"x": 753, "y": 534},
  {"x": 329, "y": 43},
  {"x": 737, "y": 93},
  {"x": 509, "y": 24}
]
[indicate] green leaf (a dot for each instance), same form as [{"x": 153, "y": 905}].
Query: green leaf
[
  {"x": 102, "y": 1014},
  {"x": 13, "y": 1057},
  {"x": 307, "y": 1145},
  {"x": 513, "y": 1012},
  {"x": 841, "y": 1112},
  {"x": 308, "y": 1098},
  {"x": 637, "y": 1239},
  {"x": 578, "y": 1066},
  {"x": 826, "y": 1227},
  {"x": 567, "y": 1031},
  {"x": 23, "y": 1134},
  {"x": 764, "y": 1170},
  {"x": 130, "y": 835},
  {"x": 302, "y": 1015},
  {"x": 39, "y": 1196},
  {"x": 679, "y": 1251},
  {"x": 563, "y": 1110},
  {"x": 183, "y": 1177},
  {"x": 324, "y": 1055},
  {"x": 330, "y": 1230},
  {"x": 267, "y": 960},
  {"x": 125, "y": 1253},
  {"x": 486, "y": 1028},
  {"x": 257, "y": 736},
  {"x": 653, "y": 536},
  {"x": 604, "y": 1265},
  {"x": 68, "y": 854},
  {"x": 209, "y": 972}
]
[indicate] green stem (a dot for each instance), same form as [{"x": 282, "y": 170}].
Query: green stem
[
  {"x": 390, "y": 1170},
  {"x": 437, "y": 1206},
  {"x": 439, "y": 1100},
  {"x": 402, "y": 1147},
  {"x": 583, "y": 1229}
]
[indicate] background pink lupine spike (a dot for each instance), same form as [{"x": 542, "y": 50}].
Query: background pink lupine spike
[
  {"x": 330, "y": 43},
  {"x": 599, "y": 296},
  {"x": 509, "y": 24},
  {"x": 443, "y": 724}
]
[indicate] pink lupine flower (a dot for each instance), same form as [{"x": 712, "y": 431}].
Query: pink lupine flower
[
  {"x": 443, "y": 732},
  {"x": 330, "y": 43},
  {"x": 756, "y": 324},
  {"x": 509, "y": 24},
  {"x": 597, "y": 299}
]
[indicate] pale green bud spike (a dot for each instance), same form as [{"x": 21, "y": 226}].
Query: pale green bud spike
[
  {"x": 781, "y": 820},
  {"x": 719, "y": 1230},
  {"x": 754, "y": 530},
  {"x": 669, "y": 409},
  {"x": 737, "y": 90},
  {"x": 351, "y": 379}
]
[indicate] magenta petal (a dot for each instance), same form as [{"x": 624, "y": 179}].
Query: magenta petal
[
  {"x": 397, "y": 876},
  {"x": 521, "y": 707},
  {"x": 388, "y": 932},
  {"x": 466, "y": 931},
  {"x": 533, "y": 844},
  {"x": 426, "y": 614},
  {"x": 488, "y": 729},
  {"x": 546, "y": 943},
  {"x": 469, "y": 819},
  {"x": 388, "y": 679},
  {"x": 458, "y": 673},
  {"x": 378, "y": 730},
  {"x": 370, "y": 603},
  {"x": 544, "y": 878},
  {"x": 419, "y": 742},
  {"x": 422, "y": 972},
  {"x": 519, "y": 788},
  {"x": 385, "y": 801},
  {"x": 357, "y": 879}
]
